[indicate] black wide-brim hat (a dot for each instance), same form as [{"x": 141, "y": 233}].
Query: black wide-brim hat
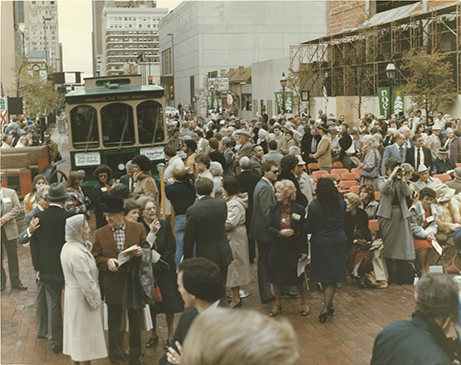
[
  {"x": 113, "y": 204},
  {"x": 57, "y": 192}
]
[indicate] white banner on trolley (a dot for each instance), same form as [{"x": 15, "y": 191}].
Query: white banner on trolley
[
  {"x": 153, "y": 153},
  {"x": 87, "y": 159}
]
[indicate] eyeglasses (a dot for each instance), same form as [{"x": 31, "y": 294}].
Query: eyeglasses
[{"x": 275, "y": 171}]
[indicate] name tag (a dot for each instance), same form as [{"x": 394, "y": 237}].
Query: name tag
[
  {"x": 104, "y": 189},
  {"x": 7, "y": 200},
  {"x": 430, "y": 219},
  {"x": 296, "y": 217}
]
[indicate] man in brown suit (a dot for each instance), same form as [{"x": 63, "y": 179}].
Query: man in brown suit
[
  {"x": 109, "y": 241},
  {"x": 10, "y": 208}
]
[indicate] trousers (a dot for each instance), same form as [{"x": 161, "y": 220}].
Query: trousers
[
  {"x": 41, "y": 309},
  {"x": 53, "y": 292},
  {"x": 115, "y": 339},
  {"x": 13, "y": 265},
  {"x": 263, "y": 271}
]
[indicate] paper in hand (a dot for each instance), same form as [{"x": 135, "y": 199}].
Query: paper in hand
[
  {"x": 437, "y": 247},
  {"x": 126, "y": 255},
  {"x": 302, "y": 265}
]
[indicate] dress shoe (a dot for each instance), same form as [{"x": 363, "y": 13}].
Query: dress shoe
[
  {"x": 323, "y": 316},
  {"x": 291, "y": 295},
  {"x": 271, "y": 299},
  {"x": 57, "y": 349},
  {"x": 331, "y": 310},
  {"x": 152, "y": 341},
  {"x": 19, "y": 286}
]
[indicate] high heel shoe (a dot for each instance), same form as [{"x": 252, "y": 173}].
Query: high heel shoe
[
  {"x": 323, "y": 317},
  {"x": 305, "y": 312},
  {"x": 276, "y": 312},
  {"x": 331, "y": 310}
]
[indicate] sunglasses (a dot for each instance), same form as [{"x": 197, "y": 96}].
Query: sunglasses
[{"x": 275, "y": 171}]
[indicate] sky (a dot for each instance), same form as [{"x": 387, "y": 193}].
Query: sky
[{"x": 75, "y": 27}]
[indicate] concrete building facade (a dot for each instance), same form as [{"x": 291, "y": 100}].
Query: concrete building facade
[
  {"x": 41, "y": 31},
  {"x": 210, "y": 37},
  {"x": 125, "y": 33}
]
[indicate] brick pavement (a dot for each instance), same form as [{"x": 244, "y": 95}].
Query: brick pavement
[{"x": 347, "y": 338}]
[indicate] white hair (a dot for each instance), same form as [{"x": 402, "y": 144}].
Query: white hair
[
  {"x": 294, "y": 150},
  {"x": 216, "y": 168}
]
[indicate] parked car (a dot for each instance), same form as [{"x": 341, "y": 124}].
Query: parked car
[{"x": 171, "y": 111}]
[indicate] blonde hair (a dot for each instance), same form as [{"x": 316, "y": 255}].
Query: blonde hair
[
  {"x": 353, "y": 198},
  {"x": 227, "y": 337},
  {"x": 287, "y": 187}
]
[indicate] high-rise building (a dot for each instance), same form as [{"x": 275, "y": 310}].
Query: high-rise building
[
  {"x": 41, "y": 31},
  {"x": 125, "y": 33}
]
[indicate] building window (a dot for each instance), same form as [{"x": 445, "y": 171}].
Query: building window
[{"x": 166, "y": 62}]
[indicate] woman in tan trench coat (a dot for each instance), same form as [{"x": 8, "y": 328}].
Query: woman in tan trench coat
[
  {"x": 83, "y": 338},
  {"x": 238, "y": 272}
]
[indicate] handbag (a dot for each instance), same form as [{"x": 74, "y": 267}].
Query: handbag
[
  {"x": 373, "y": 173},
  {"x": 157, "y": 297}
]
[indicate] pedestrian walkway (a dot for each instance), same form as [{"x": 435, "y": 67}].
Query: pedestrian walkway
[{"x": 347, "y": 338}]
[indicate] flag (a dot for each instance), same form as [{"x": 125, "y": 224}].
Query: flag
[
  {"x": 325, "y": 95},
  {"x": 230, "y": 100},
  {"x": 2, "y": 92},
  {"x": 139, "y": 59}
]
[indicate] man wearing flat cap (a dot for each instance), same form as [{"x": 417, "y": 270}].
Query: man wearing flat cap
[
  {"x": 45, "y": 247},
  {"x": 243, "y": 137},
  {"x": 109, "y": 241}
]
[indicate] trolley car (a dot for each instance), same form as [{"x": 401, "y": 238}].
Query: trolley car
[{"x": 113, "y": 119}]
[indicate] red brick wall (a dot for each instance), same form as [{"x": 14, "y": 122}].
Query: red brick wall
[
  {"x": 437, "y": 3},
  {"x": 346, "y": 14}
]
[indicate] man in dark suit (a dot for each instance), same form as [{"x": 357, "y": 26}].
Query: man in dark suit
[
  {"x": 418, "y": 155},
  {"x": 248, "y": 181},
  {"x": 45, "y": 248},
  {"x": 443, "y": 163},
  {"x": 205, "y": 226},
  {"x": 109, "y": 241},
  {"x": 226, "y": 148},
  {"x": 128, "y": 179},
  {"x": 263, "y": 198},
  {"x": 309, "y": 144},
  {"x": 10, "y": 208},
  {"x": 201, "y": 289}
]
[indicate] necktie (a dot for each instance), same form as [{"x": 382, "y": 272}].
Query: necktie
[
  {"x": 401, "y": 154},
  {"x": 418, "y": 159},
  {"x": 314, "y": 145}
]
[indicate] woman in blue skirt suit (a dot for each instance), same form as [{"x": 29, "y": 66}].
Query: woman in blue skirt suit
[{"x": 328, "y": 242}]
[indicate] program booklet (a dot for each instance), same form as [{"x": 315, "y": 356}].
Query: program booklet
[{"x": 126, "y": 255}]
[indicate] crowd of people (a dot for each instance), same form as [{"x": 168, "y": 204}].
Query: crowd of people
[
  {"x": 238, "y": 192},
  {"x": 21, "y": 133}
]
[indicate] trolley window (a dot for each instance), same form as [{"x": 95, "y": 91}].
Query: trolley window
[
  {"x": 117, "y": 125},
  {"x": 84, "y": 122},
  {"x": 150, "y": 122}
]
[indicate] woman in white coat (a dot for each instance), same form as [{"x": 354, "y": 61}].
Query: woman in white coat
[
  {"x": 83, "y": 338},
  {"x": 238, "y": 272}
]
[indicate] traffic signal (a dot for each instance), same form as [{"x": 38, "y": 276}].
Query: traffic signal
[
  {"x": 150, "y": 80},
  {"x": 171, "y": 92}
]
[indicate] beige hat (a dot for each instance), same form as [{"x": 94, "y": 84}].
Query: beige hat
[
  {"x": 421, "y": 168},
  {"x": 444, "y": 193},
  {"x": 243, "y": 132},
  {"x": 302, "y": 162}
]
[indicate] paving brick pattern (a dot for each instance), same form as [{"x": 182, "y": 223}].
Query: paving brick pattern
[{"x": 347, "y": 338}]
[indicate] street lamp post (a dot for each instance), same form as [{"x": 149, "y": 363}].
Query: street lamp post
[
  {"x": 283, "y": 82},
  {"x": 172, "y": 58},
  {"x": 390, "y": 74},
  {"x": 45, "y": 19},
  {"x": 212, "y": 97}
]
